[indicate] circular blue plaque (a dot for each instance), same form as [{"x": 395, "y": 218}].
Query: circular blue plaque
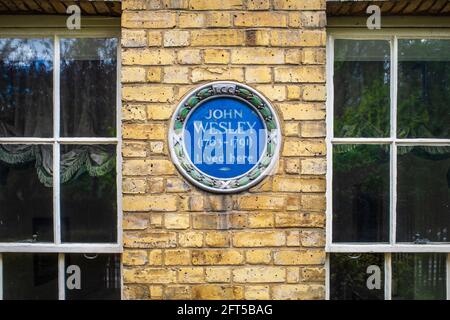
[{"x": 224, "y": 137}]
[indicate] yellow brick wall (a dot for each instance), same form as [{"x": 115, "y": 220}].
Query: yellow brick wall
[{"x": 183, "y": 243}]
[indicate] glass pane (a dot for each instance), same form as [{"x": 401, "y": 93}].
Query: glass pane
[
  {"x": 28, "y": 276},
  {"x": 26, "y": 87},
  {"x": 423, "y": 88},
  {"x": 360, "y": 193},
  {"x": 88, "y": 193},
  {"x": 26, "y": 193},
  {"x": 88, "y": 87},
  {"x": 92, "y": 276},
  {"x": 418, "y": 276},
  {"x": 423, "y": 194},
  {"x": 357, "y": 276},
  {"x": 361, "y": 88}
]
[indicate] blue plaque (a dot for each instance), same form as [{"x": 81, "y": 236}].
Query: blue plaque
[{"x": 224, "y": 137}]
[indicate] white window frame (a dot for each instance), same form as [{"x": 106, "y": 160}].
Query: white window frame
[
  {"x": 392, "y": 35},
  {"x": 93, "y": 28}
]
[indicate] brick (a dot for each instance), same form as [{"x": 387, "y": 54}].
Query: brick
[
  {"x": 191, "y": 239},
  {"x": 313, "y": 129},
  {"x": 215, "y": 4},
  {"x": 154, "y": 38},
  {"x": 134, "y": 149},
  {"x": 314, "y": 92},
  {"x": 154, "y": 74},
  {"x": 150, "y": 203},
  {"x": 175, "y": 4},
  {"x": 260, "y": 220},
  {"x": 216, "y": 73},
  {"x": 134, "y": 186},
  {"x": 273, "y": 92},
  {"x": 149, "y": 275},
  {"x": 141, "y": 4},
  {"x": 259, "y": 239},
  {"x": 293, "y": 238},
  {"x": 297, "y": 38},
  {"x": 172, "y": 292},
  {"x": 292, "y": 275},
  {"x": 302, "y": 74},
  {"x": 147, "y": 56},
  {"x": 258, "y": 74},
  {"x": 293, "y": 56},
  {"x": 299, "y": 5},
  {"x": 211, "y": 221},
  {"x": 313, "y": 56},
  {"x": 132, "y": 111},
  {"x": 159, "y": 111},
  {"x": 313, "y": 19},
  {"x": 298, "y": 292},
  {"x": 295, "y": 19},
  {"x": 258, "y": 256},
  {"x": 299, "y": 257},
  {"x": 292, "y": 166},
  {"x": 148, "y": 19},
  {"x": 218, "y": 274},
  {"x": 134, "y": 257},
  {"x": 216, "y": 56},
  {"x": 293, "y": 202},
  {"x": 176, "y": 38},
  {"x": 156, "y": 292},
  {"x": 303, "y": 148},
  {"x": 257, "y": 56},
  {"x": 150, "y": 239},
  {"x": 255, "y": 37},
  {"x": 191, "y": 275},
  {"x": 314, "y": 166},
  {"x": 177, "y": 185},
  {"x": 148, "y": 93},
  {"x": 294, "y": 184},
  {"x": 195, "y": 203},
  {"x": 217, "y": 239},
  {"x": 135, "y": 292},
  {"x": 219, "y": 202},
  {"x": 177, "y": 257},
  {"x": 260, "y": 19},
  {"x": 133, "y": 74},
  {"x": 312, "y": 274},
  {"x": 259, "y": 274},
  {"x": 217, "y": 292},
  {"x": 257, "y": 292},
  {"x": 135, "y": 221},
  {"x": 254, "y": 202},
  {"x": 217, "y": 257},
  {"x": 291, "y": 129},
  {"x": 134, "y": 38},
  {"x": 176, "y": 220},
  {"x": 144, "y": 131},
  {"x": 302, "y": 111},
  {"x": 312, "y": 238},
  {"x": 204, "y": 20},
  {"x": 155, "y": 257},
  {"x": 258, "y": 4},
  {"x": 293, "y": 220},
  {"x": 176, "y": 74},
  {"x": 148, "y": 167},
  {"x": 313, "y": 202},
  {"x": 189, "y": 56},
  {"x": 219, "y": 37},
  {"x": 157, "y": 147}
]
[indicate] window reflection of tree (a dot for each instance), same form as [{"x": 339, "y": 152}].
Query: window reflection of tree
[{"x": 26, "y": 87}]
